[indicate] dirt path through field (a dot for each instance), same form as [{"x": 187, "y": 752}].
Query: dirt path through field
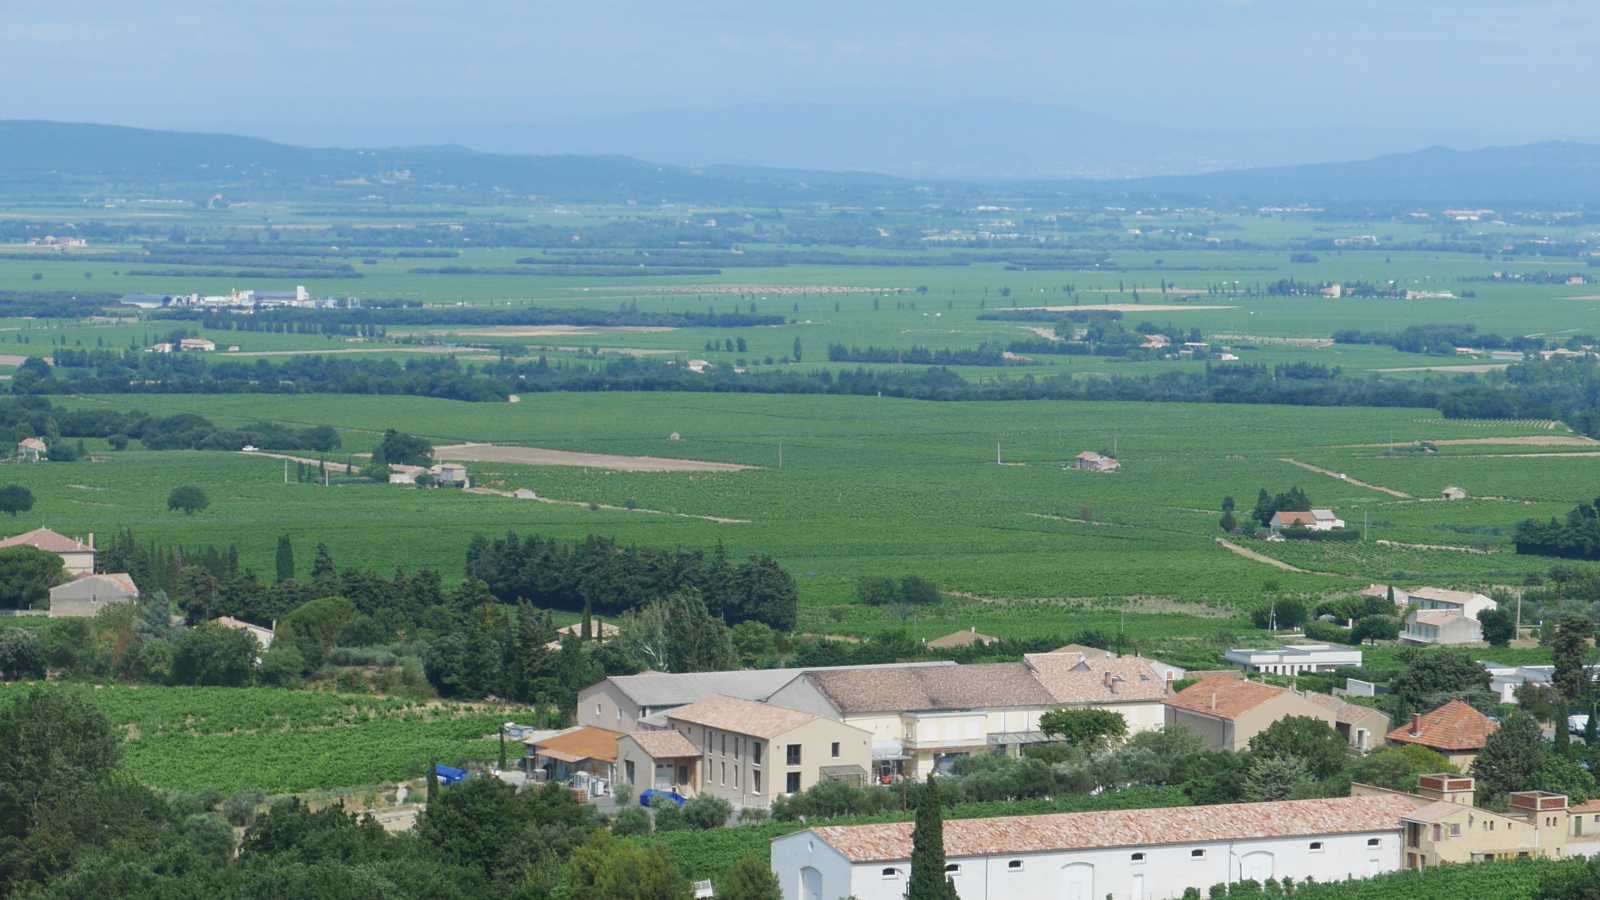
[
  {"x": 1345, "y": 478},
  {"x": 1442, "y": 547},
  {"x": 1231, "y": 547},
  {"x": 1469, "y": 369},
  {"x": 720, "y": 520},
  {"x": 332, "y": 466},
  {"x": 1124, "y": 307},
  {"x": 349, "y": 351},
  {"x": 1079, "y": 521},
  {"x": 536, "y": 456}
]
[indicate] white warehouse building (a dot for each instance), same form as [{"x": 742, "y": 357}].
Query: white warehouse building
[{"x": 1141, "y": 854}]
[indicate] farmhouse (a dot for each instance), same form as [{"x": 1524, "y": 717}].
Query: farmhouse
[
  {"x": 1294, "y": 659},
  {"x": 263, "y": 636},
  {"x": 402, "y": 474},
  {"x": 751, "y": 752},
  {"x": 86, "y": 595},
  {"x": 76, "y": 556},
  {"x": 1227, "y": 712},
  {"x": 1144, "y": 853},
  {"x": 31, "y": 450},
  {"x": 1455, "y": 730},
  {"x": 1095, "y": 462},
  {"x": 197, "y": 345},
  {"x": 1441, "y": 626},
  {"x": 450, "y": 475},
  {"x": 1313, "y": 520},
  {"x": 623, "y": 702}
]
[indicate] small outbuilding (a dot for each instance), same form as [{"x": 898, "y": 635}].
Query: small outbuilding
[
  {"x": 967, "y": 638},
  {"x": 31, "y": 450},
  {"x": 1095, "y": 462},
  {"x": 1453, "y": 493}
]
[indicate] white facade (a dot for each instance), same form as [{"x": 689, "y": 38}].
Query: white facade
[
  {"x": 809, "y": 869},
  {"x": 1294, "y": 659}
]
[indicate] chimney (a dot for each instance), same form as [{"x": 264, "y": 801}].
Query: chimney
[
  {"x": 973, "y": 629},
  {"x": 91, "y": 540},
  {"x": 1213, "y": 699},
  {"x": 1166, "y": 687},
  {"x": 1416, "y": 724}
]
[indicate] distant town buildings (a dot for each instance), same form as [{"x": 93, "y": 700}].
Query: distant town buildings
[{"x": 240, "y": 301}]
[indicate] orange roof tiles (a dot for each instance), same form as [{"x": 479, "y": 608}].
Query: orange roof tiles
[
  {"x": 1453, "y": 726},
  {"x": 1075, "y": 678},
  {"x": 1128, "y": 828},
  {"x": 45, "y": 539},
  {"x": 1225, "y": 698},
  {"x": 741, "y": 716},
  {"x": 578, "y": 744}
]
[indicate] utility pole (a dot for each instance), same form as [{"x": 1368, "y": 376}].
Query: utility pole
[
  {"x": 286, "y": 471},
  {"x": 997, "y": 454},
  {"x": 780, "y": 454}
]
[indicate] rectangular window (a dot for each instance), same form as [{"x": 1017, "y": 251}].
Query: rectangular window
[
  {"x": 835, "y": 750},
  {"x": 724, "y": 779},
  {"x": 755, "y": 752},
  {"x": 1197, "y": 854},
  {"x": 1372, "y": 842},
  {"x": 735, "y": 774},
  {"x": 629, "y": 766},
  {"x": 793, "y": 783},
  {"x": 794, "y": 754},
  {"x": 1316, "y": 846},
  {"x": 755, "y": 781},
  {"x": 1436, "y": 832},
  {"x": 738, "y": 743},
  {"x": 1138, "y": 859},
  {"x": 1014, "y": 866},
  {"x": 890, "y": 874},
  {"x": 952, "y": 869},
  {"x": 724, "y": 743}
]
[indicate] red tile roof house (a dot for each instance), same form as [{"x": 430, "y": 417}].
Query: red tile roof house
[
  {"x": 1228, "y": 712},
  {"x": 1142, "y": 853},
  {"x": 76, "y": 555},
  {"x": 1455, "y": 730}
]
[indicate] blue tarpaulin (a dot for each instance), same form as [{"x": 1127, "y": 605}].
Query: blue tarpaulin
[{"x": 447, "y": 775}]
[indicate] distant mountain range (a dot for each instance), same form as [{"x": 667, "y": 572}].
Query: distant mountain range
[{"x": 55, "y": 159}]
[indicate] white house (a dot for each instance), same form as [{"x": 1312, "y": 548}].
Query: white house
[
  {"x": 1144, "y": 854},
  {"x": 1441, "y": 626},
  {"x": 1468, "y": 603},
  {"x": 197, "y": 345},
  {"x": 1312, "y": 520},
  {"x": 1294, "y": 659}
]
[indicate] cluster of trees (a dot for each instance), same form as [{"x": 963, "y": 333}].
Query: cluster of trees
[
  {"x": 74, "y": 827},
  {"x": 984, "y": 354},
  {"x": 600, "y": 573},
  {"x": 1576, "y": 538},
  {"x": 185, "y": 431},
  {"x": 886, "y": 591},
  {"x": 1294, "y": 500},
  {"x": 1440, "y": 340}
]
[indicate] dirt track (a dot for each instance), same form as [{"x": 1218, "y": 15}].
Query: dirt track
[
  {"x": 1469, "y": 369},
  {"x": 1536, "y": 440},
  {"x": 720, "y": 520},
  {"x": 1263, "y": 558},
  {"x": 536, "y": 456},
  {"x": 1345, "y": 478},
  {"x": 1124, "y": 307}
]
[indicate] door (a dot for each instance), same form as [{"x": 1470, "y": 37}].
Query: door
[
  {"x": 1138, "y": 887},
  {"x": 1256, "y": 866},
  {"x": 1077, "y": 882},
  {"x": 810, "y": 884},
  {"x": 1374, "y": 867}
]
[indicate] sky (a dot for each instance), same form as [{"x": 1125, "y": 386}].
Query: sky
[{"x": 381, "y": 71}]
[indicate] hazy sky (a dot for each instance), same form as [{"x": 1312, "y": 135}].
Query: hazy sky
[{"x": 364, "y": 67}]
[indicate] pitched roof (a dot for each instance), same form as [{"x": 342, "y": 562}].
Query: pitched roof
[
  {"x": 1128, "y": 828},
  {"x": 1293, "y": 517},
  {"x": 663, "y": 689},
  {"x": 1343, "y": 710},
  {"x": 1453, "y": 726},
  {"x": 1437, "y": 616},
  {"x": 742, "y": 716},
  {"x": 587, "y": 742},
  {"x": 924, "y": 688},
  {"x": 1225, "y": 698},
  {"x": 1076, "y": 678},
  {"x": 1445, "y": 595},
  {"x": 662, "y": 744},
  {"x": 963, "y": 638},
  {"x": 119, "y": 580},
  {"x": 45, "y": 539},
  {"x": 1437, "y": 811}
]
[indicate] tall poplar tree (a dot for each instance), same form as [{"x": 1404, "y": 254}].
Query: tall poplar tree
[{"x": 928, "y": 881}]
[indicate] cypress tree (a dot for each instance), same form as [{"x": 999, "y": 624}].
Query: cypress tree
[
  {"x": 928, "y": 881},
  {"x": 588, "y": 621},
  {"x": 433, "y": 780},
  {"x": 285, "y": 559},
  {"x": 322, "y": 566}
]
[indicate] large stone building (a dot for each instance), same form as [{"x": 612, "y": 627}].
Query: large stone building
[
  {"x": 85, "y": 596},
  {"x": 77, "y": 557}
]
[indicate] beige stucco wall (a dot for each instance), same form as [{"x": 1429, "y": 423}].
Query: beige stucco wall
[
  {"x": 603, "y": 705},
  {"x": 731, "y": 773},
  {"x": 644, "y": 768},
  {"x": 1480, "y": 833},
  {"x": 1216, "y": 733}
]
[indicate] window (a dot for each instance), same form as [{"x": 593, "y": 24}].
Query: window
[
  {"x": 724, "y": 779},
  {"x": 755, "y": 781},
  {"x": 738, "y": 742},
  {"x": 597, "y": 710},
  {"x": 1316, "y": 846},
  {"x": 890, "y": 874},
  {"x": 1197, "y": 854},
  {"x": 834, "y": 750},
  {"x": 1138, "y": 858},
  {"x": 755, "y": 752},
  {"x": 1436, "y": 832},
  {"x": 1014, "y": 866},
  {"x": 952, "y": 869},
  {"x": 1372, "y": 842},
  {"x": 724, "y": 743},
  {"x": 735, "y": 774},
  {"x": 792, "y": 783},
  {"x": 1455, "y": 829},
  {"x": 629, "y": 765},
  {"x": 794, "y": 754}
]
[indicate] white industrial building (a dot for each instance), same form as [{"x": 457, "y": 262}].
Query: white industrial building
[
  {"x": 1143, "y": 854},
  {"x": 1294, "y": 659}
]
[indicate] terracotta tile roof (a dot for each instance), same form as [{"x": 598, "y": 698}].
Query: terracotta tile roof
[
  {"x": 1586, "y": 807},
  {"x": 120, "y": 580},
  {"x": 1344, "y": 711},
  {"x": 921, "y": 688},
  {"x": 1445, "y": 595},
  {"x": 741, "y": 716},
  {"x": 1453, "y": 726},
  {"x": 1076, "y": 678},
  {"x": 1437, "y": 811},
  {"x": 578, "y": 744},
  {"x": 1128, "y": 828},
  {"x": 1225, "y": 698},
  {"x": 1285, "y": 517},
  {"x": 661, "y": 744},
  {"x": 45, "y": 539}
]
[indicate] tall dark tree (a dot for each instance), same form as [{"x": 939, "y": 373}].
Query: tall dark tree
[
  {"x": 285, "y": 559},
  {"x": 322, "y": 566},
  {"x": 187, "y": 499},
  {"x": 1511, "y": 758},
  {"x": 26, "y": 576},
  {"x": 928, "y": 881}
]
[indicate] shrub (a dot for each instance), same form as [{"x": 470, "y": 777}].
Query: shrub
[
  {"x": 667, "y": 815},
  {"x": 240, "y": 809},
  {"x": 705, "y": 812},
  {"x": 630, "y": 822}
]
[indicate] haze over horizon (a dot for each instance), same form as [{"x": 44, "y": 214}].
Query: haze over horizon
[{"x": 1150, "y": 86}]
